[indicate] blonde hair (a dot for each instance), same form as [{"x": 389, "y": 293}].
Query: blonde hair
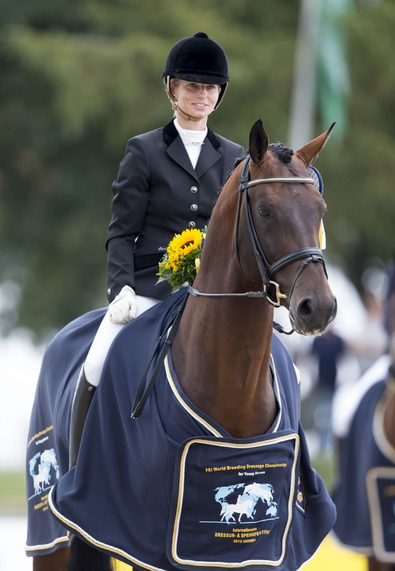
[{"x": 170, "y": 84}]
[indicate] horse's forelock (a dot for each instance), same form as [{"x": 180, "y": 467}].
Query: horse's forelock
[{"x": 282, "y": 152}]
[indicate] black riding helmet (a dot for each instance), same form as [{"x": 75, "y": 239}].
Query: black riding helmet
[{"x": 197, "y": 58}]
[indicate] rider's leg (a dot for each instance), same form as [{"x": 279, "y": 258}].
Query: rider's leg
[
  {"x": 104, "y": 337},
  {"x": 90, "y": 375},
  {"x": 85, "y": 388}
]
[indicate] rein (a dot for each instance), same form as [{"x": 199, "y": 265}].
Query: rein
[{"x": 271, "y": 289}]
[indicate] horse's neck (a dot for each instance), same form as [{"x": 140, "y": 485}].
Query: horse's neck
[{"x": 221, "y": 355}]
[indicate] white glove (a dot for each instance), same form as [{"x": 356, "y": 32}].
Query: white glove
[{"x": 123, "y": 308}]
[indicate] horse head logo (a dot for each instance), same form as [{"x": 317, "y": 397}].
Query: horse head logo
[
  {"x": 246, "y": 503},
  {"x": 40, "y": 469}
]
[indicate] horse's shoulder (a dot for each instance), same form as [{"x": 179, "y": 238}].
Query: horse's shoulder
[
  {"x": 282, "y": 360},
  {"x": 288, "y": 384}
]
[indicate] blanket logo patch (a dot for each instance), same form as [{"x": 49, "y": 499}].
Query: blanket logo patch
[
  {"x": 43, "y": 469},
  {"x": 253, "y": 501},
  {"x": 234, "y": 500}
]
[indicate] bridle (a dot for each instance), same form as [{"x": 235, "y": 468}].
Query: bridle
[
  {"x": 268, "y": 270},
  {"x": 271, "y": 289}
]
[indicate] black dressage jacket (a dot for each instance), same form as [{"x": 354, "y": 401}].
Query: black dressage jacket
[{"x": 157, "y": 194}]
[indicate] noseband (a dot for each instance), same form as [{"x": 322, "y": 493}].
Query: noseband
[{"x": 271, "y": 289}]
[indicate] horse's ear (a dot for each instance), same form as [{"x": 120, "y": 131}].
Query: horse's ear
[
  {"x": 310, "y": 152},
  {"x": 259, "y": 142}
]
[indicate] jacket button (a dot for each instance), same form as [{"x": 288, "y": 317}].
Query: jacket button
[
  {"x": 194, "y": 207},
  {"x": 194, "y": 189},
  {"x": 109, "y": 291},
  {"x": 191, "y": 224}
]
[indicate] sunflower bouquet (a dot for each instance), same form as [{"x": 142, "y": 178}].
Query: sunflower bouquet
[{"x": 182, "y": 259}]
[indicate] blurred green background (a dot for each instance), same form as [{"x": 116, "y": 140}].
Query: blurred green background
[{"x": 78, "y": 78}]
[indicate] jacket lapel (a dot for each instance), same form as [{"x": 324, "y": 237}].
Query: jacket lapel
[
  {"x": 176, "y": 150},
  {"x": 208, "y": 157}
]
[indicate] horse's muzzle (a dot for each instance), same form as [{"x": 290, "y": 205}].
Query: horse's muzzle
[{"x": 310, "y": 316}]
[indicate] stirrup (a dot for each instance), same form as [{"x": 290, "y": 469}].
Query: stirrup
[{"x": 82, "y": 399}]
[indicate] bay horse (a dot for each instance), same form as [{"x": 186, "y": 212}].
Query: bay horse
[{"x": 215, "y": 400}]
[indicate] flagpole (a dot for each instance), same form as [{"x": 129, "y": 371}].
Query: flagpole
[{"x": 303, "y": 98}]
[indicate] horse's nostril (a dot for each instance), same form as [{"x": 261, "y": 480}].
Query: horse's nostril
[{"x": 305, "y": 309}]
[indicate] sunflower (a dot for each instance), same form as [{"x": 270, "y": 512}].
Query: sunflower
[
  {"x": 182, "y": 259},
  {"x": 186, "y": 242}
]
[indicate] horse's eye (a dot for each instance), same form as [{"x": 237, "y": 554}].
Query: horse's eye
[{"x": 264, "y": 212}]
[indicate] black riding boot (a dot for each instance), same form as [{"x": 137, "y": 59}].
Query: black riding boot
[{"x": 81, "y": 403}]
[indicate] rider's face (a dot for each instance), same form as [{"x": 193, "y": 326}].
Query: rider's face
[{"x": 196, "y": 99}]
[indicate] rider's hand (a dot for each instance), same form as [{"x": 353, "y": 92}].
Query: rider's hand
[{"x": 124, "y": 306}]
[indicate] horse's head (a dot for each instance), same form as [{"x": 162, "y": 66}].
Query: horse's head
[{"x": 282, "y": 210}]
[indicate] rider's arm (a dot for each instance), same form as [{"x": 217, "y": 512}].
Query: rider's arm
[{"x": 131, "y": 197}]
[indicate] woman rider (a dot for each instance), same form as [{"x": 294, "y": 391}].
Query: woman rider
[{"x": 168, "y": 181}]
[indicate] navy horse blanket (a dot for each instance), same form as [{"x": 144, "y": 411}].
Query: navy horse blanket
[
  {"x": 365, "y": 492},
  {"x": 170, "y": 489}
]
